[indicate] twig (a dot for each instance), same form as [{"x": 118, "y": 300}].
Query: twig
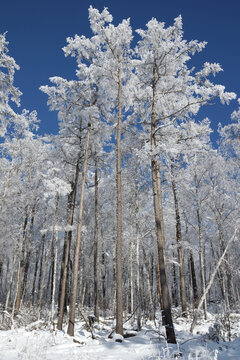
[
  {"x": 110, "y": 335},
  {"x": 87, "y": 323},
  {"x": 212, "y": 278}
]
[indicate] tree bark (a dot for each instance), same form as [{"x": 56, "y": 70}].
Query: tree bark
[
  {"x": 151, "y": 305},
  {"x": 157, "y": 200},
  {"x": 174, "y": 287},
  {"x": 66, "y": 251},
  {"x": 28, "y": 255},
  {"x": 138, "y": 232},
  {"x": 103, "y": 273},
  {"x": 34, "y": 279},
  {"x": 119, "y": 304},
  {"x": 10, "y": 282},
  {"x": 179, "y": 243},
  {"x": 48, "y": 255},
  {"x": 96, "y": 305},
  {"x": 20, "y": 267},
  {"x": 71, "y": 321},
  {"x": 55, "y": 249},
  {"x": 194, "y": 281},
  {"x": 201, "y": 260},
  {"x": 225, "y": 268},
  {"x": 41, "y": 265}
]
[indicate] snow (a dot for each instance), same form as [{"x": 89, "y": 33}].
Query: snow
[{"x": 36, "y": 341}]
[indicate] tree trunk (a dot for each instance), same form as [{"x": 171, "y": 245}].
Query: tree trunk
[
  {"x": 151, "y": 305},
  {"x": 71, "y": 322},
  {"x": 201, "y": 260},
  {"x": 55, "y": 250},
  {"x": 41, "y": 265},
  {"x": 157, "y": 200},
  {"x": 119, "y": 304},
  {"x": 103, "y": 272},
  {"x": 34, "y": 280},
  {"x": 130, "y": 278},
  {"x": 10, "y": 282},
  {"x": 192, "y": 268},
  {"x": 201, "y": 254},
  {"x": 179, "y": 243},
  {"x": 225, "y": 268},
  {"x": 174, "y": 287},
  {"x": 1, "y": 276},
  {"x": 96, "y": 306},
  {"x": 138, "y": 234},
  {"x": 66, "y": 251},
  {"x": 194, "y": 281},
  {"x": 28, "y": 255},
  {"x": 20, "y": 267},
  {"x": 143, "y": 297},
  {"x": 48, "y": 255}
]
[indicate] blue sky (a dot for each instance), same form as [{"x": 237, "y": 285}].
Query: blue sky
[{"x": 37, "y": 31}]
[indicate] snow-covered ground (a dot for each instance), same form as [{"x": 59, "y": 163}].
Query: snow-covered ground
[{"x": 38, "y": 343}]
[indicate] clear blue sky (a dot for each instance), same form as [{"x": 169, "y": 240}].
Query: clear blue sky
[{"x": 37, "y": 31}]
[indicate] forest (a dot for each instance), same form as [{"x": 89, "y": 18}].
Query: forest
[{"x": 130, "y": 213}]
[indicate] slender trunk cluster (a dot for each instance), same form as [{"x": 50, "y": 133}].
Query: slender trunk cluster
[
  {"x": 66, "y": 250},
  {"x": 71, "y": 320},
  {"x": 179, "y": 242}
]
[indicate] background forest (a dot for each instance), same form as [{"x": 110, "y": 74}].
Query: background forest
[{"x": 130, "y": 209}]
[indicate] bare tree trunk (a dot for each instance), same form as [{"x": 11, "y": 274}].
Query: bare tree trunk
[
  {"x": 71, "y": 322},
  {"x": 96, "y": 306},
  {"x": 10, "y": 282},
  {"x": 174, "y": 287},
  {"x": 179, "y": 243},
  {"x": 151, "y": 305},
  {"x": 54, "y": 279},
  {"x": 159, "y": 293},
  {"x": 194, "y": 281},
  {"x": 192, "y": 269},
  {"x": 66, "y": 250},
  {"x": 48, "y": 255},
  {"x": 201, "y": 255},
  {"x": 1, "y": 275},
  {"x": 20, "y": 267},
  {"x": 157, "y": 200},
  {"x": 34, "y": 279},
  {"x": 28, "y": 255},
  {"x": 41, "y": 265},
  {"x": 139, "y": 304},
  {"x": 119, "y": 300},
  {"x": 138, "y": 232},
  {"x": 220, "y": 275},
  {"x": 103, "y": 272},
  {"x": 143, "y": 297},
  {"x": 225, "y": 268},
  {"x": 114, "y": 282},
  {"x": 131, "y": 278},
  {"x": 201, "y": 260}
]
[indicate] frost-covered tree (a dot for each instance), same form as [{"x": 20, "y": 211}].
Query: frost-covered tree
[
  {"x": 127, "y": 127},
  {"x": 169, "y": 92},
  {"x": 230, "y": 139},
  {"x": 8, "y": 92},
  {"x": 103, "y": 62}
]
